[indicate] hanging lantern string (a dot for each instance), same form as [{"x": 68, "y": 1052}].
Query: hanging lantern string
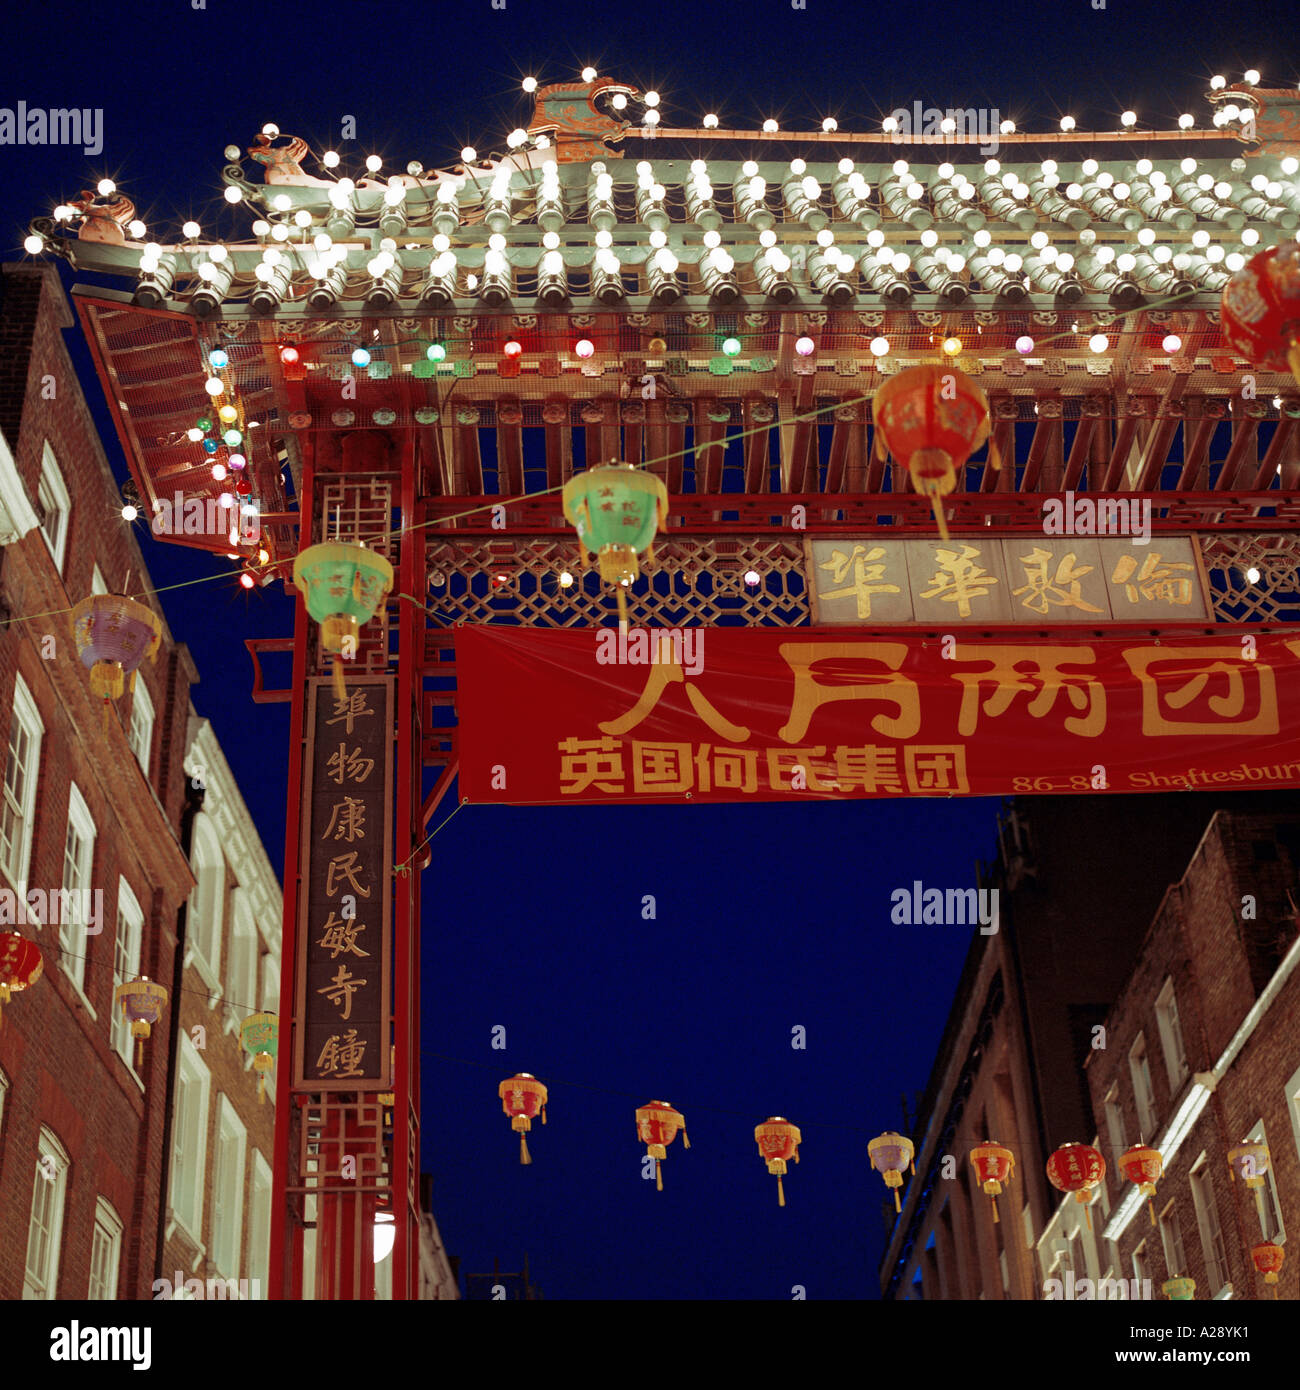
[{"x": 804, "y": 417}]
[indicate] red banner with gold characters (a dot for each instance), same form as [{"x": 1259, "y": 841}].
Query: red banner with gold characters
[{"x": 763, "y": 714}]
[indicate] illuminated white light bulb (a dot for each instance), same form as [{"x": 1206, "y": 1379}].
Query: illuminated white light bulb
[
  {"x": 1200, "y": 239},
  {"x": 497, "y": 242},
  {"x": 901, "y": 262},
  {"x": 468, "y": 155},
  {"x": 1074, "y": 191},
  {"x": 1067, "y": 122},
  {"x": 879, "y": 347},
  {"x": 658, "y": 238},
  {"x": 1121, "y": 192},
  {"x": 1186, "y": 121},
  {"x": 825, "y": 237},
  {"x": 280, "y": 232},
  {"x": 830, "y": 124},
  {"x": 1217, "y": 84},
  {"x": 1171, "y": 343},
  {"x": 845, "y": 166},
  {"x": 915, "y": 192},
  {"x": 1249, "y": 236},
  {"x": 798, "y": 166},
  {"x": 1007, "y": 128},
  {"x": 1234, "y": 261},
  {"x": 1099, "y": 342},
  {"x": 104, "y": 187},
  {"x": 666, "y": 261},
  {"x": 996, "y": 256},
  {"x": 33, "y": 245},
  {"x": 1125, "y": 263},
  {"x": 1222, "y": 190},
  {"x": 136, "y": 228},
  {"x": 947, "y": 125},
  {"x": 604, "y": 239},
  {"x": 652, "y": 98},
  {"x": 1146, "y": 236},
  {"x": 710, "y": 122},
  {"x": 529, "y": 84},
  {"x": 1214, "y": 254},
  {"x": 1128, "y": 118},
  {"x": 991, "y": 166},
  {"x": 374, "y": 163},
  {"x": 1251, "y": 75},
  {"x": 1162, "y": 255},
  {"x": 889, "y": 125},
  {"x": 876, "y": 238},
  {"x": 1014, "y": 263},
  {"x": 770, "y": 126},
  {"x": 983, "y": 237},
  {"x": 712, "y": 238},
  {"x": 1105, "y": 179},
  {"x": 1290, "y": 164},
  {"x": 192, "y": 230},
  {"x": 1252, "y": 575},
  {"x": 767, "y": 237},
  {"x": 589, "y": 74},
  {"x": 1009, "y": 180}
]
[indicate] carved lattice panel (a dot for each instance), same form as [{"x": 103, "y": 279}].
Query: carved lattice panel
[
  {"x": 1274, "y": 598},
  {"x": 360, "y": 508},
  {"x": 692, "y": 580},
  {"x": 332, "y": 1129}
]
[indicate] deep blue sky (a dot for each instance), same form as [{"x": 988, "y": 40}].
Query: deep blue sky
[{"x": 767, "y": 916}]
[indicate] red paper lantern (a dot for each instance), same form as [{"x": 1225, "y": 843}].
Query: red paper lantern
[
  {"x": 21, "y": 964},
  {"x": 931, "y": 418},
  {"x": 523, "y": 1097},
  {"x": 1076, "y": 1168},
  {"x": 1260, "y": 310},
  {"x": 993, "y": 1163},
  {"x": 778, "y": 1144},
  {"x": 1143, "y": 1166},
  {"x": 657, "y": 1124},
  {"x": 1268, "y": 1260}
]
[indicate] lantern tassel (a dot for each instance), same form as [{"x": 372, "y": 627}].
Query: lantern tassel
[
  {"x": 897, "y": 1204},
  {"x": 622, "y": 605},
  {"x": 995, "y": 458},
  {"x": 936, "y": 507},
  {"x": 543, "y": 1114},
  {"x": 340, "y": 687},
  {"x": 686, "y": 1143},
  {"x": 1151, "y": 1207},
  {"x": 261, "y": 1089},
  {"x": 996, "y": 1218},
  {"x": 780, "y": 1192},
  {"x": 105, "y": 718},
  {"x": 139, "y": 1053},
  {"x": 524, "y": 1155},
  {"x": 659, "y": 1176},
  {"x": 1293, "y": 357},
  {"x": 1087, "y": 1214}
]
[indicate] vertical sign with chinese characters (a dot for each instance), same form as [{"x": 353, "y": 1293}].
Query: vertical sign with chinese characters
[{"x": 341, "y": 1031}]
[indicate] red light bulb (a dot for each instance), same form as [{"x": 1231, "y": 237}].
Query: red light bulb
[
  {"x": 289, "y": 353},
  {"x": 512, "y": 348}
]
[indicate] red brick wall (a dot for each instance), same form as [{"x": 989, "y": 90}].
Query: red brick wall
[
  {"x": 62, "y": 1069},
  {"x": 1200, "y": 940}
]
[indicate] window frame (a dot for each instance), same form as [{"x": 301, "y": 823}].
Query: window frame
[
  {"x": 1144, "y": 1092},
  {"x": 98, "y": 584},
  {"x": 1171, "y": 1241},
  {"x": 259, "y": 1223},
  {"x": 74, "y": 939},
  {"x": 46, "y": 1288},
  {"x": 1172, "y": 1043},
  {"x": 1205, "y": 1203},
  {"x": 142, "y": 710},
  {"x": 108, "y": 1224},
  {"x": 227, "y": 1223},
  {"x": 61, "y": 505},
  {"x": 207, "y": 906},
  {"x": 189, "y": 1172},
  {"x": 130, "y": 914},
  {"x": 1258, "y": 1135},
  {"x": 26, "y": 716}
]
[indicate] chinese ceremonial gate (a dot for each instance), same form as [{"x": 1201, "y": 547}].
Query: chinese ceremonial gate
[{"x": 419, "y": 363}]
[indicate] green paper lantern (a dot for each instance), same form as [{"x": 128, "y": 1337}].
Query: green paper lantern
[
  {"x": 343, "y": 584},
  {"x": 1179, "y": 1290},
  {"x": 617, "y": 510}
]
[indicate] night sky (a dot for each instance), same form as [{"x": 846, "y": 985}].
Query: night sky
[{"x": 769, "y": 916}]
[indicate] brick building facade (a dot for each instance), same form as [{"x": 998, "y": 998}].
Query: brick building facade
[
  {"x": 1201, "y": 1053},
  {"x": 89, "y": 801},
  {"x": 1014, "y": 1063}
]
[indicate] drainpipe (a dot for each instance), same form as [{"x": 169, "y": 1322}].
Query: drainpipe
[{"x": 193, "y": 805}]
